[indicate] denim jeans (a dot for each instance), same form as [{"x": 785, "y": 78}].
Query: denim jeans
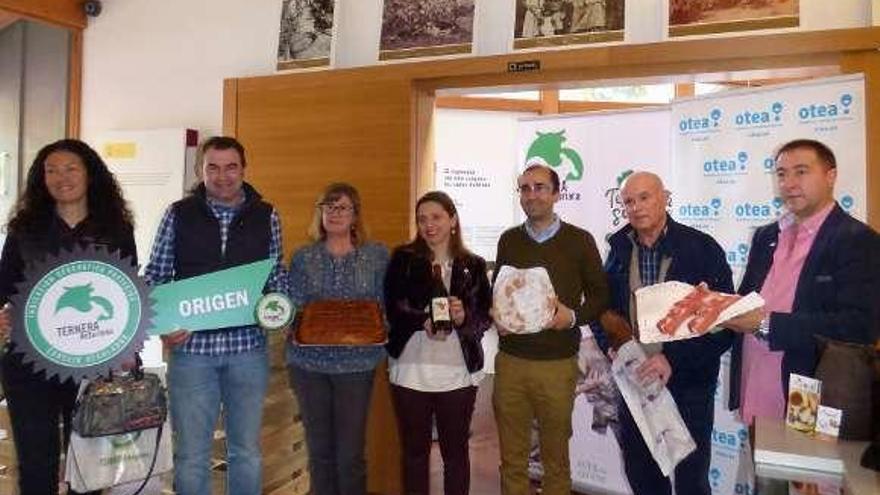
[
  {"x": 198, "y": 385},
  {"x": 334, "y": 409}
]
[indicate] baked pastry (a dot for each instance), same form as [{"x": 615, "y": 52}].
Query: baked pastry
[
  {"x": 341, "y": 322},
  {"x": 524, "y": 300}
]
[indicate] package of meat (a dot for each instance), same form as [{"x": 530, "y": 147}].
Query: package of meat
[
  {"x": 523, "y": 299},
  {"x": 671, "y": 311}
]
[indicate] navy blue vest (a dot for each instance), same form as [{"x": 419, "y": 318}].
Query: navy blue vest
[{"x": 197, "y": 247}]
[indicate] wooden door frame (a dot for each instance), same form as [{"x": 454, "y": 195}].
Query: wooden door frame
[{"x": 66, "y": 14}]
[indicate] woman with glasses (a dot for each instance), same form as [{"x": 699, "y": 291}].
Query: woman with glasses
[
  {"x": 434, "y": 374},
  {"x": 70, "y": 198},
  {"x": 333, "y": 383}
]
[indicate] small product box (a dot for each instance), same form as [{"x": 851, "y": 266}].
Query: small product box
[
  {"x": 803, "y": 402},
  {"x": 828, "y": 421}
]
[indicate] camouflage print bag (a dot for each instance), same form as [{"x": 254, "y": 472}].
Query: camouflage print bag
[{"x": 120, "y": 404}]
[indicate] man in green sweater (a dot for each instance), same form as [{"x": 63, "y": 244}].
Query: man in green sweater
[{"x": 536, "y": 373}]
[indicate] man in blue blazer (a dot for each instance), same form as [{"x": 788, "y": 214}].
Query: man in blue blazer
[{"x": 817, "y": 269}]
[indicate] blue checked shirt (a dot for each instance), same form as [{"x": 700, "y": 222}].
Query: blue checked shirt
[
  {"x": 160, "y": 270},
  {"x": 649, "y": 259}
]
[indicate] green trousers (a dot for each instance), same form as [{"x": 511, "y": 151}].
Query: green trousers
[{"x": 527, "y": 389}]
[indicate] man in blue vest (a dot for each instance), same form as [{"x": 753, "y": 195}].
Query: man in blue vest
[{"x": 222, "y": 223}]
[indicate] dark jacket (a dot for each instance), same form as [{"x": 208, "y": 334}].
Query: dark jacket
[
  {"x": 408, "y": 292},
  {"x": 695, "y": 257},
  {"x": 836, "y": 294},
  {"x": 197, "y": 246}
]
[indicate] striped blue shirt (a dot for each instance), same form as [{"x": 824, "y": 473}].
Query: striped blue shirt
[{"x": 160, "y": 270}]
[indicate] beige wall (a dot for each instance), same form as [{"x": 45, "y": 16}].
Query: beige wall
[{"x": 161, "y": 63}]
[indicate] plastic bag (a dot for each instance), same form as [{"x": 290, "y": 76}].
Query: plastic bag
[
  {"x": 102, "y": 462},
  {"x": 653, "y": 410}
]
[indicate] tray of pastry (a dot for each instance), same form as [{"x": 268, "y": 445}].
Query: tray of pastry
[{"x": 338, "y": 322}]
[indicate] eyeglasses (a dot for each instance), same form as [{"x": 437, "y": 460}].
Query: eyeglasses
[
  {"x": 331, "y": 208},
  {"x": 538, "y": 188}
]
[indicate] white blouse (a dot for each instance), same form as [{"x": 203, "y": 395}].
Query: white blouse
[{"x": 429, "y": 365}]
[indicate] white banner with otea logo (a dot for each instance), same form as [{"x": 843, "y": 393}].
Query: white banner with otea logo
[
  {"x": 593, "y": 153},
  {"x": 723, "y": 149},
  {"x": 723, "y": 180}
]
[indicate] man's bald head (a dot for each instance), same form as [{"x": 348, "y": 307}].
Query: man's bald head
[
  {"x": 644, "y": 198},
  {"x": 644, "y": 181}
]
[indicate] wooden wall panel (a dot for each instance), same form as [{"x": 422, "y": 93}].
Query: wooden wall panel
[
  {"x": 304, "y": 136},
  {"x": 74, "y": 86},
  {"x": 311, "y": 131},
  {"x": 64, "y": 12},
  {"x": 372, "y": 126},
  {"x": 868, "y": 63}
]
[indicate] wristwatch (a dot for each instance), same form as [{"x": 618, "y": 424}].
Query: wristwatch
[{"x": 763, "y": 330}]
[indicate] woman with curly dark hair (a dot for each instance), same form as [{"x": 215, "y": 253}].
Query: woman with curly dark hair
[{"x": 70, "y": 198}]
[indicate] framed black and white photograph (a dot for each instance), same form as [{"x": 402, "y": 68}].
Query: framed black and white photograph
[
  {"x": 688, "y": 17},
  {"x": 305, "y": 34},
  {"x": 417, "y": 28},
  {"x": 564, "y": 22}
]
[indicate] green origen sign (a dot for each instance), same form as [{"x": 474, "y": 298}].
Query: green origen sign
[{"x": 216, "y": 300}]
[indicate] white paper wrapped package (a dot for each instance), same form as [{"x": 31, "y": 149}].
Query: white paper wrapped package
[
  {"x": 653, "y": 410},
  {"x": 523, "y": 299},
  {"x": 102, "y": 462},
  {"x": 672, "y": 310}
]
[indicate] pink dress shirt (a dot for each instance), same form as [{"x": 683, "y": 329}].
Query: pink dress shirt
[{"x": 761, "y": 390}]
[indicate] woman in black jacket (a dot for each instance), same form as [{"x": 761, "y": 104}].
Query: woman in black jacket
[
  {"x": 435, "y": 373},
  {"x": 70, "y": 198}
]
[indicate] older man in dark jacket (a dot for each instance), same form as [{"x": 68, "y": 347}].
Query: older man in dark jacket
[{"x": 651, "y": 249}]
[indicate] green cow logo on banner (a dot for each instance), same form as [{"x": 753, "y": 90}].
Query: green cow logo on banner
[
  {"x": 548, "y": 147},
  {"x": 80, "y": 298}
]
